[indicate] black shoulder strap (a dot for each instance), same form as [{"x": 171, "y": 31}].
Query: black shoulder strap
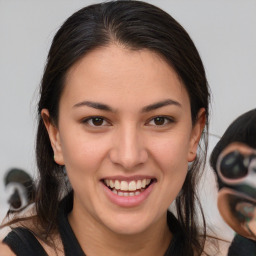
[
  {"x": 69, "y": 240},
  {"x": 23, "y": 243}
]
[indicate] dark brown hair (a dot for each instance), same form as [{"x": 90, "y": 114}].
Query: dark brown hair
[{"x": 136, "y": 25}]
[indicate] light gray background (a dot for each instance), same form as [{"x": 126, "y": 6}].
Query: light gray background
[{"x": 224, "y": 32}]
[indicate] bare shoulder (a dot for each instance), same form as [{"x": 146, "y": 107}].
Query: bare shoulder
[{"x": 5, "y": 250}]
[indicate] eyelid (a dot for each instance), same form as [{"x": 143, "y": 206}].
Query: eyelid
[
  {"x": 106, "y": 122},
  {"x": 90, "y": 118},
  {"x": 169, "y": 120}
]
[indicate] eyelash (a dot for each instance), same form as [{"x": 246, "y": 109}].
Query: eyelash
[
  {"x": 89, "y": 121},
  {"x": 167, "y": 120},
  {"x": 104, "y": 122}
]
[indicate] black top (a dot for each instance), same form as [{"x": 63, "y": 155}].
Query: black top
[
  {"x": 242, "y": 246},
  {"x": 23, "y": 242}
]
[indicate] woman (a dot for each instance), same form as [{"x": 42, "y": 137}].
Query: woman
[{"x": 123, "y": 105}]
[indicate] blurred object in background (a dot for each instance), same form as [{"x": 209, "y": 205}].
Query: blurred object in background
[
  {"x": 20, "y": 189},
  {"x": 18, "y": 194},
  {"x": 236, "y": 167},
  {"x": 233, "y": 159}
]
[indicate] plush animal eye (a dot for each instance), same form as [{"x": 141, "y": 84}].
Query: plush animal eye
[{"x": 233, "y": 166}]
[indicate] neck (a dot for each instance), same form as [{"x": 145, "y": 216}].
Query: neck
[{"x": 96, "y": 239}]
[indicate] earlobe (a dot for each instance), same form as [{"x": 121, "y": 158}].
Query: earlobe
[
  {"x": 54, "y": 137},
  {"x": 196, "y": 134}
]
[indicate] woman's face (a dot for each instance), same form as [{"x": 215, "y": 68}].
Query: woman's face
[{"x": 125, "y": 136}]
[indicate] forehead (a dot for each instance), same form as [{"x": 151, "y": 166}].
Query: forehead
[{"x": 116, "y": 71}]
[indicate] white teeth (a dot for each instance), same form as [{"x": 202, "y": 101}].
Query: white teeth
[
  {"x": 132, "y": 186},
  {"x": 138, "y": 185},
  {"x": 120, "y": 193},
  {"x": 127, "y": 186},
  {"x": 124, "y": 185},
  {"x": 143, "y": 183},
  {"x": 117, "y": 184},
  {"x": 111, "y": 184}
]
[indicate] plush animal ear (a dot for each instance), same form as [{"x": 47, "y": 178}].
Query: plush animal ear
[
  {"x": 196, "y": 134},
  {"x": 54, "y": 136}
]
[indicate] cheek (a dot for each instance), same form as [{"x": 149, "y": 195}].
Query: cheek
[
  {"x": 83, "y": 153},
  {"x": 171, "y": 153}
]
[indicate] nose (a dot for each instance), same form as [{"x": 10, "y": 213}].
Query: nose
[{"x": 128, "y": 148}]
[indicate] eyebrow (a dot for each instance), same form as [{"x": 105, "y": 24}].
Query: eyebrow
[
  {"x": 95, "y": 105},
  {"x": 160, "y": 105},
  {"x": 148, "y": 108}
]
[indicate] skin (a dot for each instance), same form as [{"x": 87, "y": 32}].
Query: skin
[
  {"x": 5, "y": 250},
  {"x": 129, "y": 143}
]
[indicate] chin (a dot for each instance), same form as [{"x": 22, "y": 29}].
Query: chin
[
  {"x": 129, "y": 224},
  {"x": 128, "y": 229}
]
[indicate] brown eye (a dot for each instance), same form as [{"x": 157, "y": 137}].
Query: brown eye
[
  {"x": 96, "y": 121},
  {"x": 159, "y": 120}
]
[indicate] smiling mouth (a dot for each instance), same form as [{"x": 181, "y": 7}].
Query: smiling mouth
[{"x": 125, "y": 188}]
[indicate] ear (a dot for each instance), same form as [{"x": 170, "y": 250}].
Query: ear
[
  {"x": 54, "y": 136},
  {"x": 197, "y": 130}
]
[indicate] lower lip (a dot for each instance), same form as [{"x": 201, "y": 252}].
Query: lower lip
[{"x": 128, "y": 201}]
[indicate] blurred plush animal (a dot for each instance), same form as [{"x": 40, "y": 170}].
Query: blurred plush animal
[
  {"x": 234, "y": 161},
  {"x": 19, "y": 188}
]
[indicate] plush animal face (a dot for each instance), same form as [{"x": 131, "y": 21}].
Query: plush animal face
[
  {"x": 236, "y": 168},
  {"x": 19, "y": 189}
]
